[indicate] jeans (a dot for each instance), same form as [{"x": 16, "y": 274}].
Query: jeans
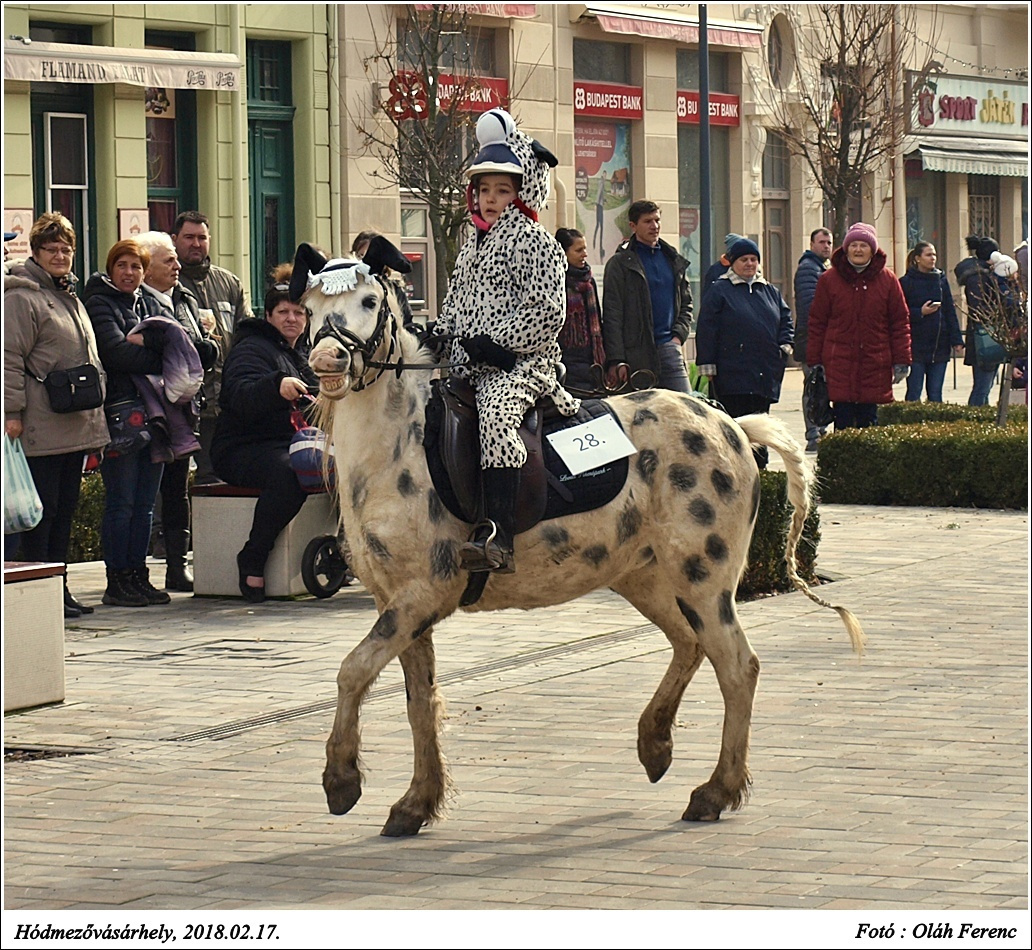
[
  {"x": 672, "y": 372},
  {"x": 934, "y": 373},
  {"x": 813, "y": 432},
  {"x": 854, "y": 415},
  {"x": 983, "y": 384},
  {"x": 264, "y": 465},
  {"x": 131, "y": 485},
  {"x": 57, "y": 479}
]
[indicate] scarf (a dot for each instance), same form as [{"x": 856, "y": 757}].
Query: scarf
[{"x": 583, "y": 327}]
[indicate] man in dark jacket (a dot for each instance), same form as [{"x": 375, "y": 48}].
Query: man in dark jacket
[
  {"x": 812, "y": 264},
  {"x": 223, "y": 305},
  {"x": 646, "y": 306}
]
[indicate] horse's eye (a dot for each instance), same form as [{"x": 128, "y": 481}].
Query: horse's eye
[{"x": 369, "y": 301}]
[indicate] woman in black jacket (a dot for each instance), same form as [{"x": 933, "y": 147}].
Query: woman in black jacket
[
  {"x": 116, "y": 305},
  {"x": 934, "y": 329},
  {"x": 262, "y": 380}
]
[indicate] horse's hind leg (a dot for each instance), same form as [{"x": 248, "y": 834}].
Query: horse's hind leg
[
  {"x": 712, "y": 615},
  {"x": 654, "y": 598},
  {"x": 400, "y": 624},
  {"x": 424, "y": 800}
]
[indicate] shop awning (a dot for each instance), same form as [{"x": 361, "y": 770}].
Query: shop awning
[
  {"x": 966, "y": 156},
  {"x": 656, "y": 23},
  {"x": 169, "y": 69}
]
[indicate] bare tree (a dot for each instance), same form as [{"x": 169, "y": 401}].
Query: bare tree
[
  {"x": 423, "y": 122},
  {"x": 1003, "y": 313},
  {"x": 843, "y": 109}
]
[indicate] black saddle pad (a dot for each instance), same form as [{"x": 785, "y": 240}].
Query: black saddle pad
[{"x": 567, "y": 494}]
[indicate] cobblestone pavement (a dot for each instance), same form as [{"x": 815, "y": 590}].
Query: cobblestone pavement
[{"x": 900, "y": 782}]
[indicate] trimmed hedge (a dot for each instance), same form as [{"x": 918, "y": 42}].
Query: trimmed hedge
[
  {"x": 909, "y": 413},
  {"x": 936, "y": 464},
  {"x": 765, "y": 573}
]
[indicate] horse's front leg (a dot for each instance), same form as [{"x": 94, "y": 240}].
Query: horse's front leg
[
  {"x": 423, "y": 803},
  {"x": 401, "y": 622}
]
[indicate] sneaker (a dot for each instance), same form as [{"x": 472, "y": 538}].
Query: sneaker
[
  {"x": 72, "y": 604},
  {"x": 140, "y": 579},
  {"x": 811, "y": 446}
]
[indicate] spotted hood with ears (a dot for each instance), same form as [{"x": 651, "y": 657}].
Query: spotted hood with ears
[{"x": 505, "y": 149}]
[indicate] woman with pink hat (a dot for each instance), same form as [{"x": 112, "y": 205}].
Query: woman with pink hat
[{"x": 859, "y": 329}]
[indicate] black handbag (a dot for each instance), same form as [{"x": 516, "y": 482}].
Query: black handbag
[
  {"x": 127, "y": 427},
  {"x": 75, "y": 389},
  {"x": 815, "y": 398}
]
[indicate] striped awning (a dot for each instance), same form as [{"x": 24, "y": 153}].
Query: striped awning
[{"x": 966, "y": 156}]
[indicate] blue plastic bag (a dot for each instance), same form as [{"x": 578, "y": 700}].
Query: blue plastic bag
[{"x": 22, "y": 508}]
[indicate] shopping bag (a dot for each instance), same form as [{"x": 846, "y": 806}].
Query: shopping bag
[{"x": 22, "y": 508}]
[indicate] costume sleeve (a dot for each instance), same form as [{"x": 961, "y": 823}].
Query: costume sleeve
[
  {"x": 250, "y": 383},
  {"x": 820, "y": 310},
  {"x": 539, "y": 273},
  {"x": 613, "y": 312}
]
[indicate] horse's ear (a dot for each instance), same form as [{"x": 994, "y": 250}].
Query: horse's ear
[
  {"x": 381, "y": 253},
  {"x": 307, "y": 260}
]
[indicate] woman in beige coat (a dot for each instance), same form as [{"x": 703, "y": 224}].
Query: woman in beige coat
[{"x": 47, "y": 328}]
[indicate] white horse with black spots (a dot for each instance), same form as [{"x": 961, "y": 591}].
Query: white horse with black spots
[{"x": 674, "y": 543}]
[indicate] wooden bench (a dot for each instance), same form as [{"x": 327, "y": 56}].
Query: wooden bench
[
  {"x": 33, "y": 634},
  {"x": 222, "y": 516}
]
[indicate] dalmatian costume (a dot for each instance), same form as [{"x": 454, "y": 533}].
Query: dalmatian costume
[{"x": 509, "y": 283}]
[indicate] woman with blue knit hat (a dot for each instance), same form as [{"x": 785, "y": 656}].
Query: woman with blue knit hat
[
  {"x": 744, "y": 336},
  {"x": 505, "y": 306}
]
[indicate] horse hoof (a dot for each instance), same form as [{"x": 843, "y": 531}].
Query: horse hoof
[
  {"x": 341, "y": 793},
  {"x": 655, "y": 757},
  {"x": 402, "y": 824},
  {"x": 703, "y": 806}
]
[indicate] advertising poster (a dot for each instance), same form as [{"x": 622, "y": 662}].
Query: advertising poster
[{"x": 602, "y": 155}]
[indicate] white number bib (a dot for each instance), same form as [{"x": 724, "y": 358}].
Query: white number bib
[{"x": 591, "y": 444}]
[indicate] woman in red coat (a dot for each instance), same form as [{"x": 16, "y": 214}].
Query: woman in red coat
[{"x": 859, "y": 329}]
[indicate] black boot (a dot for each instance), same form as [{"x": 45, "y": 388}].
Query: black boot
[
  {"x": 121, "y": 591},
  {"x": 71, "y": 604},
  {"x": 490, "y": 546},
  {"x": 177, "y": 575},
  {"x": 140, "y": 579}
]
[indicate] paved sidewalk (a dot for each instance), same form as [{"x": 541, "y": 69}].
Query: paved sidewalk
[{"x": 900, "y": 782}]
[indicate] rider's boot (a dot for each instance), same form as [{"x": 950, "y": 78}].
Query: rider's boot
[{"x": 490, "y": 546}]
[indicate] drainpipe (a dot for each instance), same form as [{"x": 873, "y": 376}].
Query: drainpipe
[
  {"x": 241, "y": 211},
  {"x": 333, "y": 60}
]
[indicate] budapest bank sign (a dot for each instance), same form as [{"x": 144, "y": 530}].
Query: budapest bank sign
[
  {"x": 723, "y": 108},
  {"x": 607, "y": 100}
]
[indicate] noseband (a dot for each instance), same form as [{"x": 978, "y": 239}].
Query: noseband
[{"x": 354, "y": 344}]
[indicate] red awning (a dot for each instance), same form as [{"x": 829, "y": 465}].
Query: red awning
[{"x": 667, "y": 26}]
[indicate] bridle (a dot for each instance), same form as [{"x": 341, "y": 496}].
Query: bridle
[{"x": 367, "y": 348}]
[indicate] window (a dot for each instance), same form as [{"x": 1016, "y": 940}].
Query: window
[
  {"x": 780, "y": 51},
  {"x": 688, "y": 70},
  {"x": 601, "y": 62},
  {"x": 472, "y": 51},
  {"x": 171, "y": 142},
  {"x": 984, "y": 205},
  {"x": 775, "y": 166}
]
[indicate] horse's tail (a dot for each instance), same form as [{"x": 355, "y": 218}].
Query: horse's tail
[{"x": 764, "y": 430}]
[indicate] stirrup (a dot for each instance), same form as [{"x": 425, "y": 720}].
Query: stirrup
[{"x": 484, "y": 554}]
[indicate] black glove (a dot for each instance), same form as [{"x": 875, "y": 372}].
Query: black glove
[
  {"x": 437, "y": 343},
  {"x": 482, "y": 349}
]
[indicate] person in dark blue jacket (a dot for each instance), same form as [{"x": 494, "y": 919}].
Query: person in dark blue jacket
[
  {"x": 934, "y": 329},
  {"x": 812, "y": 265},
  {"x": 744, "y": 336}
]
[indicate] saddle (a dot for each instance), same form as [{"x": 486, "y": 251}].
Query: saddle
[{"x": 547, "y": 489}]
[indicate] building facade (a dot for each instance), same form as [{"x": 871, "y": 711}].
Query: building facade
[{"x": 269, "y": 144}]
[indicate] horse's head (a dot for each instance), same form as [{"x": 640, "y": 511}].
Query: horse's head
[{"x": 351, "y": 317}]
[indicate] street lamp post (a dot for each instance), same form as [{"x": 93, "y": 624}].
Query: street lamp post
[{"x": 705, "y": 237}]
